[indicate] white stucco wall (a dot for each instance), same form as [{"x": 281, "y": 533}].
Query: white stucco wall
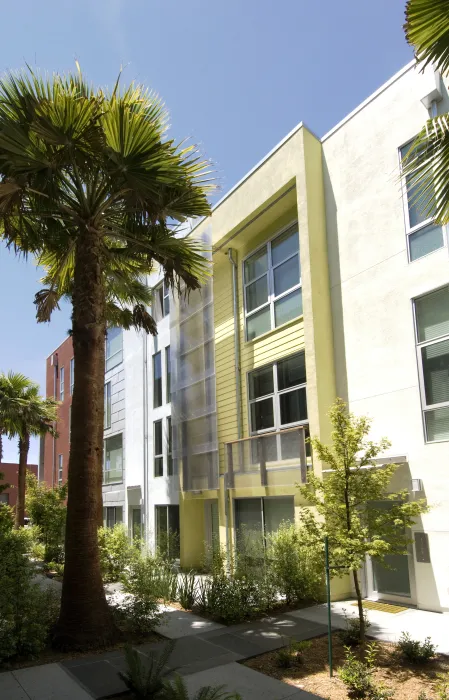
[{"x": 372, "y": 285}]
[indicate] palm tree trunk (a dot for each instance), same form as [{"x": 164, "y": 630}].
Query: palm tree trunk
[
  {"x": 24, "y": 446},
  {"x": 100, "y": 447},
  {"x": 85, "y": 620}
]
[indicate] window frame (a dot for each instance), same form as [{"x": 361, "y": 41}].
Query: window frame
[
  {"x": 72, "y": 375},
  {"x": 169, "y": 446},
  {"x": 161, "y": 379},
  {"x": 107, "y": 401},
  {"x": 419, "y": 345},
  {"x": 158, "y": 455},
  {"x": 60, "y": 468},
  {"x": 61, "y": 383},
  {"x": 272, "y": 297},
  {"x": 167, "y": 373},
  {"x": 430, "y": 221},
  {"x": 116, "y": 353},
  {"x": 275, "y": 396},
  {"x": 111, "y": 437},
  {"x": 162, "y": 300}
]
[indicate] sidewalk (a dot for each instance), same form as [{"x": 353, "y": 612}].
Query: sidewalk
[{"x": 207, "y": 653}]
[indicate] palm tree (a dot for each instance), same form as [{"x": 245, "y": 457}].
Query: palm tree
[
  {"x": 34, "y": 417},
  {"x": 90, "y": 181},
  {"x": 11, "y": 387},
  {"x": 427, "y": 162}
]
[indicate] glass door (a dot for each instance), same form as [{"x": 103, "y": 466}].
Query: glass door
[{"x": 391, "y": 577}]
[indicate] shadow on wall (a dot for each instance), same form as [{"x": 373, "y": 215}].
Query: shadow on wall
[{"x": 332, "y": 234}]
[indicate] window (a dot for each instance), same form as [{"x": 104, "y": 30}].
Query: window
[
  {"x": 256, "y": 518},
  {"x": 432, "y": 338},
  {"x": 277, "y": 394},
  {"x": 4, "y": 498},
  {"x": 60, "y": 463},
  {"x": 107, "y": 405},
  {"x": 272, "y": 283},
  {"x": 169, "y": 448},
  {"x": 167, "y": 530},
  {"x": 157, "y": 380},
  {"x": 112, "y": 515},
  {"x": 114, "y": 348},
  {"x": 167, "y": 375},
  {"x": 61, "y": 384},
  {"x": 423, "y": 237},
  {"x": 113, "y": 459},
  {"x": 161, "y": 304},
  {"x": 158, "y": 449},
  {"x": 72, "y": 375}
]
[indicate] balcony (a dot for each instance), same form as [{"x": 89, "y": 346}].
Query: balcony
[
  {"x": 277, "y": 458},
  {"x": 112, "y": 476}
]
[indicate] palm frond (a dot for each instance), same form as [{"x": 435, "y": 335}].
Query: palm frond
[{"x": 427, "y": 30}]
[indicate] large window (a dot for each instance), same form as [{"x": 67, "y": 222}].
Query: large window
[
  {"x": 277, "y": 394},
  {"x": 161, "y": 302},
  {"x": 167, "y": 530},
  {"x": 157, "y": 380},
  {"x": 257, "y": 518},
  {"x": 423, "y": 236},
  {"x": 61, "y": 384},
  {"x": 158, "y": 449},
  {"x": 107, "y": 405},
  {"x": 72, "y": 375},
  {"x": 169, "y": 448},
  {"x": 114, "y": 348},
  {"x": 4, "y": 498},
  {"x": 112, "y": 515},
  {"x": 432, "y": 337},
  {"x": 167, "y": 375},
  {"x": 113, "y": 459},
  {"x": 272, "y": 283}
]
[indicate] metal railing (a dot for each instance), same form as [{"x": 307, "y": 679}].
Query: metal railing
[
  {"x": 112, "y": 476},
  {"x": 268, "y": 454}
]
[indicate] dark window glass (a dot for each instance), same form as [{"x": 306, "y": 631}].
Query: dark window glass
[
  {"x": 262, "y": 414},
  {"x": 261, "y": 382},
  {"x": 291, "y": 371},
  {"x": 169, "y": 447},
  {"x": 168, "y": 373},
  {"x": 157, "y": 380},
  {"x": 158, "y": 452},
  {"x": 293, "y": 406}
]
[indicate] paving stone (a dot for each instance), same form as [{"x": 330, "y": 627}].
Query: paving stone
[
  {"x": 251, "y": 684},
  {"x": 10, "y": 688},
  {"x": 234, "y": 643},
  {"x": 178, "y": 623},
  {"x": 100, "y": 678},
  {"x": 188, "y": 650},
  {"x": 93, "y": 658},
  {"x": 49, "y": 682},
  {"x": 213, "y": 662}
]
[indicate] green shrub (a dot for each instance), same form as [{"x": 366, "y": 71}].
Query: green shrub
[
  {"x": 415, "y": 651},
  {"x": 6, "y": 518},
  {"x": 350, "y": 635},
  {"x": 168, "y": 546},
  {"x": 158, "y": 577},
  {"x": 230, "y": 599},
  {"x": 146, "y": 679},
  {"x": 357, "y": 675},
  {"x": 177, "y": 690},
  {"x": 291, "y": 654},
  {"x": 297, "y": 563},
  {"x": 186, "y": 590},
  {"x": 214, "y": 558},
  {"x": 47, "y": 510},
  {"x": 27, "y": 613},
  {"x": 139, "y": 610},
  {"x": 116, "y": 552},
  {"x": 442, "y": 686},
  {"x": 56, "y": 567}
]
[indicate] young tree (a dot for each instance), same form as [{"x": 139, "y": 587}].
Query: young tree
[
  {"x": 90, "y": 181},
  {"x": 47, "y": 509},
  {"x": 349, "y": 500},
  {"x": 426, "y": 165}
]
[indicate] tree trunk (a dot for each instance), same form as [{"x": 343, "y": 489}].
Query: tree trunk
[
  {"x": 24, "y": 446},
  {"x": 360, "y": 607},
  {"x": 100, "y": 446},
  {"x": 85, "y": 620}
]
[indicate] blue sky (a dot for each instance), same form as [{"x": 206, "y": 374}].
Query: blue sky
[{"x": 236, "y": 75}]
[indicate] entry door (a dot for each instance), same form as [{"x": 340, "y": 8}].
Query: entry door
[
  {"x": 390, "y": 582},
  {"x": 137, "y": 523}
]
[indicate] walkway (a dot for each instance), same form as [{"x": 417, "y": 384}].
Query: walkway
[{"x": 207, "y": 653}]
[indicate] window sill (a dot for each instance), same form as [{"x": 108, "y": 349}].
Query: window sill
[
  {"x": 274, "y": 330},
  {"x": 112, "y": 483}
]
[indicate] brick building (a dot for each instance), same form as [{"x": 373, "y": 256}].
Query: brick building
[
  {"x": 59, "y": 383},
  {"x": 10, "y": 471}
]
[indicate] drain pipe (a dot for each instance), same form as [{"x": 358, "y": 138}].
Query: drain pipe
[{"x": 238, "y": 395}]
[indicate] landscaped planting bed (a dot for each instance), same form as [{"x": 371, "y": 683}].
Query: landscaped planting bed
[{"x": 312, "y": 672}]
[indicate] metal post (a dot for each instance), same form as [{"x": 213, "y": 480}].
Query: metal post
[
  {"x": 230, "y": 465},
  {"x": 302, "y": 455},
  {"x": 328, "y": 592},
  {"x": 262, "y": 461}
]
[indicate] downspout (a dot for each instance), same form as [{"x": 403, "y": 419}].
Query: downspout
[
  {"x": 145, "y": 437},
  {"x": 238, "y": 396}
]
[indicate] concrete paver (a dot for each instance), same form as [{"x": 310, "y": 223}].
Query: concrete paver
[
  {"x": 10, "y": 688},
  {"x": 178, "y": 623},
  {"x": 100, "y": 678},
  {"x": 49, "y": 682},
  {"x": 251, "y": 684}
]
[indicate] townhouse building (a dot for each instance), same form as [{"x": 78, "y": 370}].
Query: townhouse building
[{"x": 326, "y": 282}]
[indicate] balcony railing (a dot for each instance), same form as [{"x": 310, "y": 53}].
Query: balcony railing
[
  {"x": 276, "y": 458},
  {"x": 112, "y": 476}
]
